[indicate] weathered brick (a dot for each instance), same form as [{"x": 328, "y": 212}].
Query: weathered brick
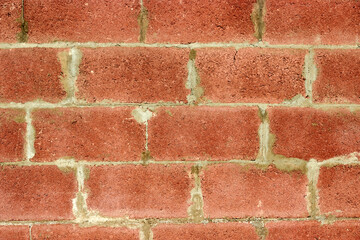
[
  {"x": 204, "y": 133},
  {"x": 339, "y": 191},
  {"x": 338, "y": 79},
  {"x": 14, "y": 232},
  {"x": 251, "y": 74},
  {"x": 140, "y": 191},
  {"x": 312, "y": 22},
  {"x": 12, "y": 135},
  {"x": 30, "y": 74},
  {"x": 232, "y": 190},
  {"x": 36, "y": 193},
  {"x": 205, "y": 21},
  {"x": 313, "y": 230},
  {"x": 68, "y": 231},
  {"x": 208, "y": 231},
  {"x": 10, "y": 24},
  {"x": 82, "y": 21},
  {"x": 314, "y": 133},
  {"x": 92, "y": 134},
  {"x": 133, "y": 75}
]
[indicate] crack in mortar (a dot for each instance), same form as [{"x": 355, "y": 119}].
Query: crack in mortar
[
  {"x": 193, "y": 80},
  {"x": 30, "y": 136},
  {"x": 310, "y": 73},
  {"x": 257, "y": 17},
  {"x": 312, "y": 193},
  {"x": 195, "y": 211}
]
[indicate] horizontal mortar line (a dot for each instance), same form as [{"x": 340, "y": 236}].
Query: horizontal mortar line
[
  {"x": 173, "y": 45},
  {"x": 180, "y": 221}
]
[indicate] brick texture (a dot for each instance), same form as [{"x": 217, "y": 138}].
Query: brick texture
[
  {"x": 338, "y": 78},
  {"x": 31, "y": 74},
  {"x": 339, "y": 190},
  {"x": 133, "y": 75},
  {"x": 10, "y": 24},
  {"x": 36, "y": 193},
  {"x": 154, "y": 191},
  {"x": 307, "y": 133},
  {"x": 313, "y": 22},
  {"x": 313, "y": 230},
  {"x": 83, "y": 21},
  {"x": 204, "y": 133},
  {"x": 251, "y": 75},
  {"x": 93, "y": 134},
  {"x": 235, "y": 191},
  {"x": 14, "y": 232},
  {"x": 60, "y": 232},
  {"x": 212, "y": 231}
]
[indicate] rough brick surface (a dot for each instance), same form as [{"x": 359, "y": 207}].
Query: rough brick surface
[
  {"x": 133, "y": 75},
  {"x": 231, "y": 190},
  {"x": 314, "y": 133},
  {"x": 30, "y": 74},
  {"x": 250, "y": 74},
  {"x": 313, "y": 230},
  {"x": 140, "y": 191},
  {"x": 312, "y": 22},
  {"x": 338, "y": 78},
  {"x": 64, "y": 232},
  {"x": 83, "y": 21},
  {"x": 12, "y": 135},
  {"x": 10, "y": 13},
  {"x": 211, "y": 231},
  {"x": 36, "y": 193},
  {"x": 93, "y": 134},
  {"x": 339, "y": 191},
  {"x": 14, "y": 232},
  {"x": 204, "y": 133},
  {"x": 205, "y": 21}
]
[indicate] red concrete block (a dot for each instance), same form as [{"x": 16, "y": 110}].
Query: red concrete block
[
  {"x": 210, "y": 231},
  {"x": 10, "y": 24},
  {"x": 140, "y": 191},
  {"x": 312, "y": 22},
  {"x": 349, "y": 230},
  {"x": 30, "y": 74},
  {"x": 36, "y": 193},
  {"x": 338, "y": 79},
  {"x": 307, "y": 133},
  {"x": 339, "y": 189},
  {"x": 14, "y": 232},
  {"x": 82, "y": 21},
  {"x": 12, "y": 135},
  {"x": 70, "y": 232},
  {"x": 133, "y": 74},
  {"x": 91, "y": 134},
  {"x": 236, "y": 191},
  {"x": 204, "y": 133},
  {"x": 251, "y": 75},
  {"x": 206, "y": 21}
]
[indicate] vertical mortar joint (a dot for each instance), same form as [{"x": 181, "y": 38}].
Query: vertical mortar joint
[
  {"x": 29, "y": 136},
  {"x": 265, "y": 137},
  {"x": 310, "y": 73},
  {"x": 312, "y": 191},
  {"x": 80, "y": 209},
  {"x": 143, "y": 22},
  {"x": 260, "y": 229},
  {"x": 22, "y": 36},
  {"x": 193, "y": 82},
  {"x": 195, "y": 211},
  {"x": 257, "y": 18}
]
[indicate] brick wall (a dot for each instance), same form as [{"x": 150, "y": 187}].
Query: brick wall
[{"x": 154, "y": 119}]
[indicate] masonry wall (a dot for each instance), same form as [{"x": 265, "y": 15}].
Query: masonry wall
[{"x": 150, "y": 120}]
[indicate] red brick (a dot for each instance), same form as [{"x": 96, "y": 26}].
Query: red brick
[
  {"x": 14, "y": 232},
  {"x": 70, "y": 232},
  {"x": 30, "y": 74},
  {"x": 209, "y": 231},
  {"x": 339, "y": 191},
  {"x": 82, "y": 21},
  {"x": 251, "y": 75},
  {"x": 206, "y": 21},
  {"x": 36, "y": 193},
  {"x": 204, "y": 133},
  {"x": 349, "y": 230},
  {"x": 133, "y": 74},
  {"x": 236, "y": 191},
  {"x": 338, "y": 79},
  {"x": 91, "y": 134},
  {"x": 312, "y": 22},
  {"x": 12, "y": 135},
  {"x": 10, "y": 12},
  {"x": 140, "y": 191},
  {"x": 314, "y": 133}
]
